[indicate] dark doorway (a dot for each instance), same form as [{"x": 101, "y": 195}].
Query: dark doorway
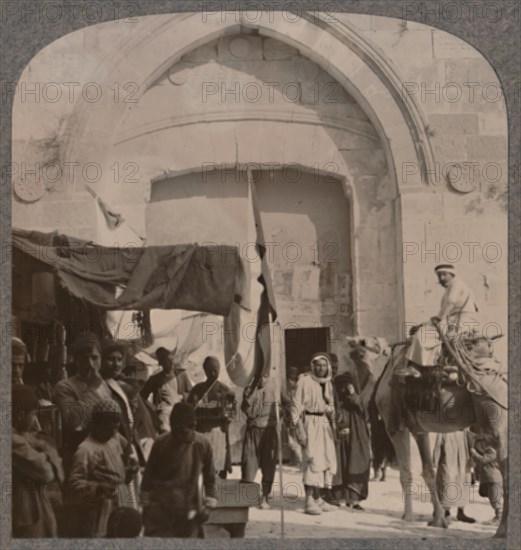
[{"x": 302, "y": 343}]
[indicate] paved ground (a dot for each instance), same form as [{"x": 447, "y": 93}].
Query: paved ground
[{"x": 381, "y": 518}]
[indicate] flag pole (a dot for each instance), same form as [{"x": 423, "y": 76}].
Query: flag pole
[
  {"x": 269, "y": 291},
  {"x": 278, "y": 406}
]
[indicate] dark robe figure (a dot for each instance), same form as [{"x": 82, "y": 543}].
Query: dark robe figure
[
  {"x": 355, "y": 445},
  {"x": 146, "y": 421},
  {"x": 180, "y": 463},
  {"x": 260, "y": 444},
  {"x": 37, "y": 471}
]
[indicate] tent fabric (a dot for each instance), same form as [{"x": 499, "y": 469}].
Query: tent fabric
[{"x": 189, "y": 276}]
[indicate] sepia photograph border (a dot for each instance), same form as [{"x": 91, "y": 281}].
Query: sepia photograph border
[{"x": 499, "y": 43}]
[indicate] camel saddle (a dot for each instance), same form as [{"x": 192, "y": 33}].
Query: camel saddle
[{"x": 476, "y": 368}]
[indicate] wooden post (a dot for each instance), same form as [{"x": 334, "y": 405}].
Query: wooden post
[{"x": 278, "y": 406}]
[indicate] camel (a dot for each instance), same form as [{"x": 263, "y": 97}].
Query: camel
[{"x": 458, "y": 408}]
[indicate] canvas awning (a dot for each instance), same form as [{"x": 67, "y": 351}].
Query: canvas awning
[{"x": 188, "y": 276}]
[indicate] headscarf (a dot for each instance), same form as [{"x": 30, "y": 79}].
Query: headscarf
[
  {"x": 445, "y": 268},
  {"x": 102, "y": 409},
  {"x": 18, "y": 348},
  {"x": 326, "y": 380}
]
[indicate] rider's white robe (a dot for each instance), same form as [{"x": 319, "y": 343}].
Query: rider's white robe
[{"x": 458, "y": 308}]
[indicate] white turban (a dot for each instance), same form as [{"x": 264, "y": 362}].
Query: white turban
[{"x": 445, "y": 268}]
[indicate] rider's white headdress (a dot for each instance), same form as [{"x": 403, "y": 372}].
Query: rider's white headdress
[{"x": 445, "y": 268}]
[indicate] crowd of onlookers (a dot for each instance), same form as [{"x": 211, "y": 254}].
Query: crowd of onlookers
[{"x": 108, "y": 451}]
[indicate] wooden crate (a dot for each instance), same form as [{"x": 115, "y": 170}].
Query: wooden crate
[{"x": 229, "y": 518}]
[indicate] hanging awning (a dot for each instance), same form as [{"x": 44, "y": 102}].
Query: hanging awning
[{"x": 188, "y": 276}]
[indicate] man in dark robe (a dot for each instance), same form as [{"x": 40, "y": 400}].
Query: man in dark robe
[
  {"x": 355, "y": 441},
  {"x": 214, "y": 402},
  {"x": 333, "y": 495},
  {"x": 260, "y": 445},
  {"x": 287, "y": 401},
  {"x": 170, "y": 491}
]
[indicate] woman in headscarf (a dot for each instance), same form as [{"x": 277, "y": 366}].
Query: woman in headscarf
[
  {"x": 355, "y": 440},
  {"x": 314, "y": 416}
]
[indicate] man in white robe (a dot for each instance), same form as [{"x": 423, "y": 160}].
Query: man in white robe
[
  {"x": 451, "y": 457},
  {"x": 456, "y": 318},
  {"x": 314, "y": 411}
]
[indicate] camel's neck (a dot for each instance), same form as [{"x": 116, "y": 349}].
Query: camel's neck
[{"x": 363, "y": 369}]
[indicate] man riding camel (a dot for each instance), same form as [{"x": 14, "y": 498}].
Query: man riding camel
[{"x": 456, "y": 317}]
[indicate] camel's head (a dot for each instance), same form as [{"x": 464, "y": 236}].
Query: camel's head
[{"x": 368, "y": 349}]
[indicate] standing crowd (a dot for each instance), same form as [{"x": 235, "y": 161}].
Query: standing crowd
[
  {"x": 144, "y": 456},
  {"x": 133, "y": 451}
]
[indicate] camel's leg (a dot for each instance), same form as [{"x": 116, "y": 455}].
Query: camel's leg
[
  {"x": 500, "y": 427},
  {"x": 429, "y": 476},
  {"x": 401, "y": 443}
]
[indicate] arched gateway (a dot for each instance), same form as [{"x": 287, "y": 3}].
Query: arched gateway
[
  {"x": 319, "y": 107},
  {"x": 287, "y": 99}
]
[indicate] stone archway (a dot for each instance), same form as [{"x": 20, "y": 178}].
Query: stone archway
[
  {"x": 361, "y": 68},
  {"x": 425, "y": 217},
  {"x": 358, "y": 66}
]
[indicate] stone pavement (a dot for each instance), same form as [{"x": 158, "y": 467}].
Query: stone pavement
[{"x": 381, "y": 518}]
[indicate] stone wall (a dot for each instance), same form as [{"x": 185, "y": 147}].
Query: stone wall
[
  {"x": 451, "y": 84},
  {"x": 247, "y": 99},
  {"x": 461, "y": 98}
]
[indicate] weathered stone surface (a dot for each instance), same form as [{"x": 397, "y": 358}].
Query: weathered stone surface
[
  {"x": 470, "y": 70},
  {"x": 203, "y": 53},
  {"x": 239, "y": 48},
  {"x": 275, "y": 49},
  {"x": 492, "y": 124},
  {"x": 418, "y": 75},
  {"x": 388, "y": 24},
  {"x": 487, "y": 147},
  {"x": 70, "y": 213},
  {"x": 365, "y": 162},
  {"x": 448, "y": 148},
  {"x": 409, "y": 43},
  {"x": 360, "y": 21},
  {"x": 444, "y": 125},
  {"x": 381, "y": 322}
]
